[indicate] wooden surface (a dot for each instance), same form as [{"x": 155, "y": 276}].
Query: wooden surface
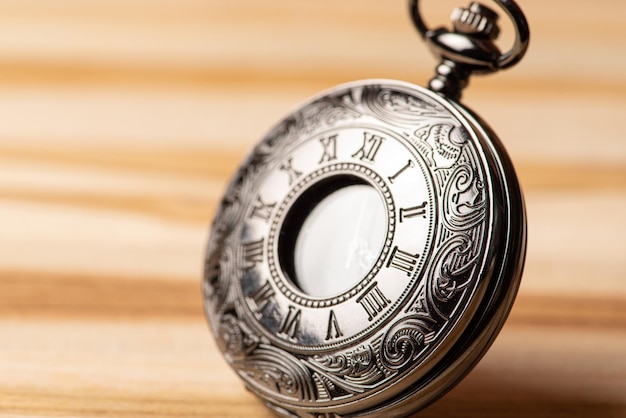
[{"x": 122, "y": 120}]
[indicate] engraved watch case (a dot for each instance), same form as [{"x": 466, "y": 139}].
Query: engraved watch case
[{"x": 366, "y": 253}]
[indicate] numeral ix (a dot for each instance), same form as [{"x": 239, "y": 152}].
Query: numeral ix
[
  {"x": 262, "y": 210},
  {"x": 288, "y": 168}
]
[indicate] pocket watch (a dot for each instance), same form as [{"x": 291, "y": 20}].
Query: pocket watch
[{"x": 369, "y": 249}]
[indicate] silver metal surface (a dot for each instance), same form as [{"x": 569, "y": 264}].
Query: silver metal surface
[
  {"x": 469, "y": 48},
  {"x": 438, "y": 290}
]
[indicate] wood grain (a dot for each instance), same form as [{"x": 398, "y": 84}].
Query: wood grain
[{"x": 123, "y": 119}]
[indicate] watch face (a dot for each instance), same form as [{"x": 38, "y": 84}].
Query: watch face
[{"x": 354, "y": 247}]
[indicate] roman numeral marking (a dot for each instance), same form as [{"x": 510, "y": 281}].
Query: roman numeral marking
[
  {"x": 419, "y": 210},
  {"x": 262, "y": 297},
  {"x": 373, "y": 301},
  {"x": 402, "y": 261},
  {"x": 252, "y": 253},
  {"x": 291, "y": 324},
  {"x": 293, "y": 174},
  {"x": 408, "y": 165},
  {"x": 262, "y": 210},
  {"x": 330, "y": 148},
  {"x": 333, "y": 327},
  {"x": 371, "y": 145}
]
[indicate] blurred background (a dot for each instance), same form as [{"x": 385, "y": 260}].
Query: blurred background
[{"x": 121, "y": 121}]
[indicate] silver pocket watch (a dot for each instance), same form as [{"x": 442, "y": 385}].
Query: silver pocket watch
[{"x": 369, "y": 249}]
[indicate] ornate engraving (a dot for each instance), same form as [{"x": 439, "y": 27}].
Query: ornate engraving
[
  {"x": 436, "y": 296},
  {"x": 348, "y": 372},
  {"x": 464, "y": 203},
  {"x": 219, "y": 268},
  {"x": 278, "y": 372},
  {"x": 325, "y": 112},
  {"x": 235, "y": 339},
  {"x": 397, "y": 106},
  {"x": 452, "y": 273},
  {"x": 441, "y": 144},
  {"x": 328, "y": 111},
  {"x": 404, "y": 342}
]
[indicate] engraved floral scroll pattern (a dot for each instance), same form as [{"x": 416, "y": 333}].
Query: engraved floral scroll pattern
[
  {"x": 404, "y": 342},
  {"x": 220, "y": 265},
  {"x": 398, "y": 107},
  {"x": 451, "y": 277},
  {"x": 441, "y": 144},
  {"x": 464, "y": 207},
  {"x": 327, "y": 111},
  {"x": 350, "y": 372},
  {"x": 279, "y": 372}
]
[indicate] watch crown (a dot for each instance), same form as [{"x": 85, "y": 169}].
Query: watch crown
[{"x": 477, "y": 20}]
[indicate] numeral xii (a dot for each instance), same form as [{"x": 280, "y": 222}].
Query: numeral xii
[{"x": 369, "y": 149}]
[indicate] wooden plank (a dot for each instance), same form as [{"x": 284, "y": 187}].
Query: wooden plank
[{"x": 169, "y": 368}]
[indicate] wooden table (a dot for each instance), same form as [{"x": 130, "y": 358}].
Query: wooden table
[{"x": 122, "y": 120}]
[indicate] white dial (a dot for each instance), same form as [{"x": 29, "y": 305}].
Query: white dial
[{"x": 340, "y": 241}]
